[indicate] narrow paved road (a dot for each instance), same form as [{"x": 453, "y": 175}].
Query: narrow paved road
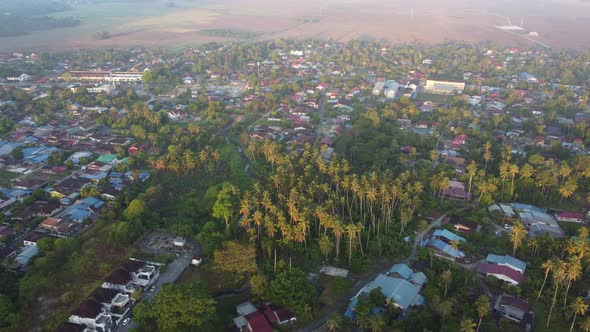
[
  {"x": 170, "y": 274},
  {"x": 319, "y": 323}
]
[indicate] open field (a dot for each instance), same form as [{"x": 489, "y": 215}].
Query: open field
[{"x": 560, "y": 24}]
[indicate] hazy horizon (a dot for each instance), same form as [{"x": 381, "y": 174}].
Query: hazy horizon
[{"x": 151, "y": 23}]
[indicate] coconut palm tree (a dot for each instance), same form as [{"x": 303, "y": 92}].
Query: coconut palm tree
[
  {"x": 326, "y": 245},
  {"x": 446, "y": 277},
  {"x": 559, "y": 276},
  {"x": 455, "y": 244},
  {"x": 567, "y": 189},
  {"x": 578, "y": 307},
  {"x": 334, "y": 322},
  {"x": 467, "y": 325},
  {"x": 533, "y": 245},
  {"x": 513, "y": 170},
  {"x": 487, "y": 154},
  {"x": 574, "y": 272},
  {"x": 585, "y": 324},
  {"x": 472, "y": 171},
  {"x": 548, "y": 266},
  {"x": 377, "y": 323},
  {"x": 482, "y": 306},
  {"x": 517, "y": 236}
]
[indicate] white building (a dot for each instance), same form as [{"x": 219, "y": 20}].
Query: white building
[
  {"x": 21, "y": 78},
  {"x": 105, "y": 88},
  {"x": 378, "y": 88}
]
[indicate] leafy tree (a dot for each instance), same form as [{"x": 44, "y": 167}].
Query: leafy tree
[
  {"x": 17, "y": 154},
  {"x": 293, "y": 289},
  {"x": 8, "y": 313},
  {"x": 260, "y": 286},
  {"x": 135, "y": 210},
  {"x": 226, "y": 203},
  {"x": 90, "y": 191},
  {"x": 235, "y": 257},
  {"x": 183, "y": 307}
]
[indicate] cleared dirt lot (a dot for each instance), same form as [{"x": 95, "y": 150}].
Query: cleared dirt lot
[{"x": 560, "y": 24}]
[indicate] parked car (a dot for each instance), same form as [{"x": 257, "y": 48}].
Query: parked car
[{"x": 126, "y": 321}]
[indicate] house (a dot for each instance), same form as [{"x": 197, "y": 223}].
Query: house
[
  {"x": 116, "y": 304},
  {"x": 93, "y": 315},
  {"x": 26, "y": 255},
  {"x": 506, "y": 260},
  {"x": 72, "y": 327},
  {"x": 512, "y": 308},
  {"x": 457, "y": 190},
  {"x": 458, "y": 163},
  {"x": 447, "y": 236},
  {"x": 32, "y": 238},
  {"x": 503, "y": 209},
  {"x": 501, "y": 272},
  {"x": 277, "y": 314},
  {"x": 567, "y": 216},
  {"x": 443, "y": 249},
  {"x": 257, "y": 322},
  {"x": 400, "y": 286},
  {"x": 537, "y": 221},
  {"x": 50, "y": 224},
  {"x": 132, "y": 275}
]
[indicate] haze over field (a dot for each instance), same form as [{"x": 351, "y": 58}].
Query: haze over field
[{"x": 92, "y": 23}]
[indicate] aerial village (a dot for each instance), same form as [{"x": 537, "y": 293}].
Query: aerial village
[{"x": 64, "y": 162}]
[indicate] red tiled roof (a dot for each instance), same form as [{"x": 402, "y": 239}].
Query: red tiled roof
[
  {"x": 486, "y": 268},
  {"x": 570, "y": 215},
  {"x": 257, "y": 322}
]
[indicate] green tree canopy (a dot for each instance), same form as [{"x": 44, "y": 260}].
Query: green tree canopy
[
  {"x": 183, "y": 307},
  {"x": 293, "y": 290}
]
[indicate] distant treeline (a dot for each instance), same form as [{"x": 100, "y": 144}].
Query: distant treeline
[
  {"x": 11, "y": 26},
  {"x": 228, "y": 33}
]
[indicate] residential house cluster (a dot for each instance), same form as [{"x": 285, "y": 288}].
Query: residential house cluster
[{"x": 108, "y": 305}]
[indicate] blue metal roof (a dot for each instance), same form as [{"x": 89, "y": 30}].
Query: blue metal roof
[
  {"x": 506, "y": 260},
  {"x": 400, "y": 291},
  {"x": 448, "y": 235},
  {"x": 403, "y": 270},
  {"x": 418, "y": 278},
  {"x": 446, "y": 248},
  {"x": 350, "y": 310}
]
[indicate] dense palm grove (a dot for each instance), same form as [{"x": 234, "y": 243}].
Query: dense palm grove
[{"x": 268, "y": 213}]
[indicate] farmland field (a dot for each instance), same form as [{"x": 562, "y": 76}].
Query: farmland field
[{"x": 180, "y": 22}]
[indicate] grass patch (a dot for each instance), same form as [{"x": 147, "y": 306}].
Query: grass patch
[{"x": 216, "y": 282}]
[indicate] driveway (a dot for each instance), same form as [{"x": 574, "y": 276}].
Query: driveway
[{"x": 170, "y": 274}]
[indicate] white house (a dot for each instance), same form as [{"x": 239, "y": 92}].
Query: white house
[
  {"x": 92, "y": 314},
  {"x": 21, "y": 78}
]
